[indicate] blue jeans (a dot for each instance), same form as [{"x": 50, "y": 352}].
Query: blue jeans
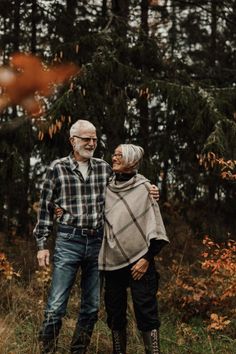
[{"x": 73, "y": 250}]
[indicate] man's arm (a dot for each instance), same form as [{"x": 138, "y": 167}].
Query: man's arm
[{"x": 44, "y": 225}]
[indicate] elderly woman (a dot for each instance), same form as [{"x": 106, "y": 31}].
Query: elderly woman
[{"x": 134, "y": 234}]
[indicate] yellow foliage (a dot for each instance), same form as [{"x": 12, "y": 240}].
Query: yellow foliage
[
  {"x": 43, "y": 276},
  {"x": 185, "y": 334},
  {"x": 6, "y": 268}
]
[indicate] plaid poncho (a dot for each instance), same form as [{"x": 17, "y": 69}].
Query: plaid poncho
[{"x": 132, "y": 219}]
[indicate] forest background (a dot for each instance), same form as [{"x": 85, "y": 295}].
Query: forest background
[{"x": 160, "y": 74}]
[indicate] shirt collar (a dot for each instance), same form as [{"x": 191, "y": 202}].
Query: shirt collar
[{"x": 74, "y": 163}]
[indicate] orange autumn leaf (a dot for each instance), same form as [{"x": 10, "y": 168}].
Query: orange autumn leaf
[
  {"x": 26, "y": 77},
  {"x": 227, "y": 168},
  {"x": 2, "y": 257},
  {"x": 218, "y": 322}
]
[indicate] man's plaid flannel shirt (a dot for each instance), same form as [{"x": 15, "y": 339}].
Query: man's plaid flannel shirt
[{"x": 82, "y": 201}]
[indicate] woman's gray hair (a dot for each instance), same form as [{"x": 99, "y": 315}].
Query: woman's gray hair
[
  {"x": 80, "y": 124},
  {"x": 132, "y": 155}
]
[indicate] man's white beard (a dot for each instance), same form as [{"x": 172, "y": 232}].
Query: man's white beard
[{"x": 83, "y": 153}]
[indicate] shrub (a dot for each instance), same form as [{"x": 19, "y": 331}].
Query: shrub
[
  {"x": 207, "y": 287},
  {"x": 6, "y": 269}
]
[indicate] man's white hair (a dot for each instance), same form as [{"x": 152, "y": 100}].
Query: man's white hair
[
  {"x": 132, "y": 155},
  {"x": 81, "y": 124}
]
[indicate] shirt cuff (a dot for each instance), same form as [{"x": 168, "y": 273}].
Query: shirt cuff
[
  {"x": 148, "y": 256},
  {"x": 42, "y": 244}
]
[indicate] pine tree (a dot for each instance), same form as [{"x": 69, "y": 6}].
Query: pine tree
[{"x": 159, "y": 74}]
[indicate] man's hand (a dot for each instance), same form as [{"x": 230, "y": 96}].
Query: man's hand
[
  {"x": 139, "y": 269},
  {"x": 43, "y": 258},
  {"x": 154, "y": 192},
  {"x": 58, "y": 211}
]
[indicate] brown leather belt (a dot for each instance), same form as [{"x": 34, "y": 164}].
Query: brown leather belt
[{"x": 80, "y": 231}]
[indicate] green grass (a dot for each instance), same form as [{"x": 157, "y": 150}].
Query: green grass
[
  {"x": 22, "y": 302},
  {"x": 20, "y": 337},
  {"x": 21, "y": 318}
]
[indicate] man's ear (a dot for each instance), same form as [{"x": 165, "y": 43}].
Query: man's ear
[{"x": 72, "y": 141}]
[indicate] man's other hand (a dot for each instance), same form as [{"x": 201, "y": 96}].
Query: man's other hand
[
  {"x": 43, "y": 258},
  {"x": 154, "y": 192},
  {"x": 58, "y": 212}
]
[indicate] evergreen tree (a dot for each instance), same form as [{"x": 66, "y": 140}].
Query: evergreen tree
[{"x": 159, "y": 74}]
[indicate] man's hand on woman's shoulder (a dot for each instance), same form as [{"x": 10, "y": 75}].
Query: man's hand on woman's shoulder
[{"x": 154, "y": 192}]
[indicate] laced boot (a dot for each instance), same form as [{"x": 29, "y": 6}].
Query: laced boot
[
  {"x": 119, "y": 341},
  {"x": 151, "y": 342}
]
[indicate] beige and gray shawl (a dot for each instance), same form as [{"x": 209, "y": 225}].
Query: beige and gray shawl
[{"x": 132, "y": 219}]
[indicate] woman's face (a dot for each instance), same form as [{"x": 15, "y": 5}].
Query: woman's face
[{"x": 117, "y": 161}]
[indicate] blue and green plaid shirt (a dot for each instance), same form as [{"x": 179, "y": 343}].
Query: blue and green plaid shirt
[{"x": 82, "y": 200}]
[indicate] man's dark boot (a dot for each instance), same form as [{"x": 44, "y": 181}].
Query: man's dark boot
[
  {"x": 48, "y": 337},
  {"x": 80, "y": 341},
  {"x": 151, "y": 342},
  {"x": 48, "y": 346},
  {"x": 119, "y": 341}
]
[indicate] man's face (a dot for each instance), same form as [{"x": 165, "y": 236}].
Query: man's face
[{"x": 84, "y": 143}]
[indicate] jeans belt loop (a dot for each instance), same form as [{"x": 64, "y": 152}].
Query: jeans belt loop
[{"x": 74, "y": 231}]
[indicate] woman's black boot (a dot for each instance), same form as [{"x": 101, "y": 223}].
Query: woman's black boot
[
  {"x": 151, "y": 342},
  {"x": 119, "y": 341}
]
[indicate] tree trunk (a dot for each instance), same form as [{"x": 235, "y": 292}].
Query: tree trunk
[
  {"x": 144, "y": 16},
  {"x": 120, "y": 8},
  {"x": 142, "y": 103},
  {"x": 33, "y": 26},
  {"x": 173, "y": 29},
  {"x": 71, "y": 6},
  {"x": 104, "y": 9},
  {"x": 144, "y": 124},
  {"x": 164, "y": 184},
  {"x": 24, "y": 218},
  {"x": 213, "y": 32},
  {"x": 16, "y": 38}
]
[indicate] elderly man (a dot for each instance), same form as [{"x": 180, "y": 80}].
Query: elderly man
[{"x": 77, "y": 185}]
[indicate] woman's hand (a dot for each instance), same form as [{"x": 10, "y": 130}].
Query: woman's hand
[{"x": 139, "y": 269}]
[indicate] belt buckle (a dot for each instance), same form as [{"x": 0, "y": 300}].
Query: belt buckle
[{"x": 84, "y": 232}]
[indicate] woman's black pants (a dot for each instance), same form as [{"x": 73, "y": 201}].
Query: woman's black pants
[{"x": 143, "y": 293}]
